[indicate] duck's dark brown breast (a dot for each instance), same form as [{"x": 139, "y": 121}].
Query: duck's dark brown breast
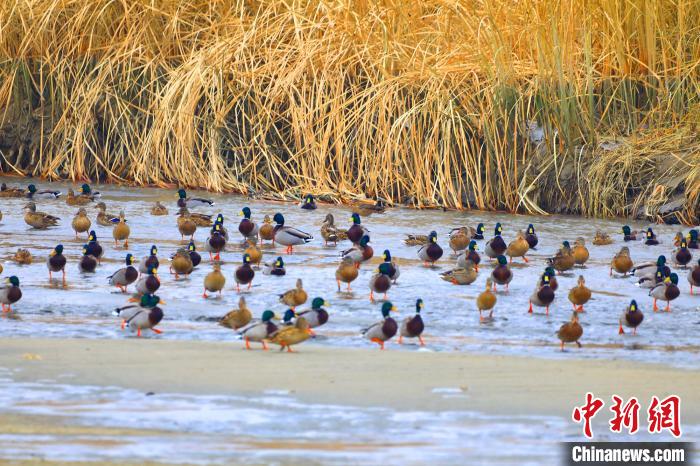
[
  {"x": 672, "y": 292},
  {"x": 57, "y": 262},
  {"x": 474, "y": 257},
  {"x": 195, "y": 258},
  {"x": 152, "y": 283},
  {"x": 382, "y": 283},
  {"x": 367, "y": 253},
  {"x": 498, "y": 245},
  {"x": 634, "y": 318},
  {"x": 14, "y": 294},
  {"x": 531, "y": 240},
  {"x": 88, "y": 263},
  {"x": 415, "y": 326},
  {"x": 246, "y": 227},
  {"x": 355, "y": 233},
  {"x": 546, "y": 295},
  {"x": 501, "y": 274},
  {"x": 696, "y": 274},
  {"x": 155, "y": 316},
  {"x": 322, "y": 316},
  {"x": 217, "y": 242},
  {"x": 434, "y": 251},
  {"x": 389, "y": 327},
  {"x": 244, "y": 274},
  {"x": 131, "y": 274}
]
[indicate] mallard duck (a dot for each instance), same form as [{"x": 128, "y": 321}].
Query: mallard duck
[
  {"x": 677, "y": 239},
  {"x": 413, "y": 326},
  {"x": 88, "y": 262},
  {"x": 621, "y": 262},
  {"x": 356, "y": 230},
  {"x": 214, "y": 281},
  {"x": 22, "y": 257},
  {"x": 93, "y": 246},
  {"x": 579, "y": 295},
  {"x": 469, "y": 255},
  {"x": 628, "y": 234},
  {"x": 496, "y": 246},
  {"x": 461, "y": 276},
  {"x": 570, "y": 332},
  {"x": 194, "y": 255},
  {"x": 125, "y": 276},
  {"x": 518, "y": 247},
  {"x": 86, "y": 191},
  {"x": 479, "y": 234},
  {"x": 486, "y": 301},
  {"x": 259, "y": 330},
  {"x": 10, "y": 293},
  {"x": 309, "y": 203},
  {"x": 317, "y": 315},
  {"x": 430, "y": 252},
  {"x": 360, "y": 252},
  {"x": 145, "y": 315},
  {"x": 580, "y": 252},
  {"x": 56, "y": 262},
  {"x": 531, "y": 236},
  {"x": 103, "y": 218},
  {"x": 648, "y": 269},
  {"x": 553, "y": 283},
  {"x": 185, "y": 224},
  {"x": 459, "y": 239},
  {"x": 275, "y": 268},
  {"x": 289, "y": 236},
  {"x": 38, "y": 220},
  {"x": 564, "y": 259},
  {"x": 222, "y": 229},
  {"x": 200, "y": 220},
  {"x": 215, "y": 243},
  {"x": 693, "y": 239},
  {"x": 543, "y": 295},
  {"x": 150, "y": 261},
  {"x": 385, "y": 329},
  {"x": 159, "y": 209},
  {"x": 247, "y": 228},
  {"x": 366, "y": 208},
  {"x": 291, "y": 335},
  {"x": 121, "y": 231},
  {"x": 651, "y": 238},
  {"x": 666, "y": 291},
  {"x": 11, "y": 191},
  {"x": 393, "y": 265},
  {"x": 329, "y": 232},
  {"x": 632, "y": 317},
  {"x": 694, "y": 276},
  {"x": 267, "y": 230},
  {"x": 682, "y": 255},
  {"x": 254, "y": 252},
  {"x": 294, "y": 297},
  {"x": 244, "y": 273},
  {"x": 74, "y": 200},
  {"x": 237, "y": 318},
  {"x": 346, "y": 272},
  {"x": 181, "y": 263},
  {"x": 602, "y": 239},
  {"x": 380, "y": 281},
  {"x": 81, "y": 223},
  {"x": 184, "y": 201},
  {"x": 149, "y": 282},
  {"x": 33, "y": 193},
  {"x": 501, "y": 274}
]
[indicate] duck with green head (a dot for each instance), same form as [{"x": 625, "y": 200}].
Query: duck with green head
[
  {"x": 124, "y": 276},
  {"x": 356, "y": 230},
  {"x": 244, "y": 273},
  {"x": 694, "y": 276},
  {"x": 383, "y": 330},
  {"x": 88, "y": 262},
  {"x": 649, "y": 268},
  {"x": 469, "y": 255},
  {"x": 543, "y": 295},
  {"x": 682, "y": 255},
  {"x": 479, "y": 234},
  {"x": 275, "y": 268},
  {"x": 693, "y": 239},
  {"x": 628, "y": 234},
  {"x": 531, "y": 236},
  {"x": 666, "y": 291},
  {"x": 194, "y": 255},
  {"x": 553, "y": 283},
  {"x": 215, "y": 243},
  {"x": 94, "y": 247},
  {"x": 56, "y": 262},
  {"x": 150, "y": 261},
  {"x": 309, "y": 203},
  {"x": 10, "y": 293},
  {"x": 650, "y": 239},
  {"x": 393, "y": 265},
  {"x": 184, "y": 201},
  {"x": 501, "y": 274},
  {"x": 413, "y": 326},
  {"x": 247, "y": 228},
  {"x": 145, "y": 315},
  {"x": 220, "y": 221},
  {"x": 317, "y": 315},
  {"x": 289, "y": 236},
  {"x": 431, "y": 251},
  {"x": 259, "y": 330},
  {"x": 359, "y": 253},
  {"x": 380, "y": 282},
  {"x": 632, "y": 317},
  {"x": 149, "y": 282},
  {"x": 496, "y": 246},
  {"x": 33, "y": 193}
]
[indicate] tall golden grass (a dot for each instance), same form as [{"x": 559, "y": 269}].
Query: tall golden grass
[{"x": 586, "y": 106}]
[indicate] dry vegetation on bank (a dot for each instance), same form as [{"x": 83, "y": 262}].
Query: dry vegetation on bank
[{"x": 583, "y": 106}]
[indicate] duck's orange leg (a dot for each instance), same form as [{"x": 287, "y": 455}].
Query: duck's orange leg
[
  {"x": 656, "y": 308},
  {"x": 155, "y": 330},
  {"x": 420, "y": 338},
  {"x": 379, "y": 342},
  {"x": 529, "y": 311}
]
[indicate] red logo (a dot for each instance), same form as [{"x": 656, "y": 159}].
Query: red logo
[{"x": 665, "y": 415}]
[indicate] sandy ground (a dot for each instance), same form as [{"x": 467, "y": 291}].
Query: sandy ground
[{"x": 400, "y": 379}]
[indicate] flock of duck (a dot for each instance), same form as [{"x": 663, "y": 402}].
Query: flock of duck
[{"x": 144, "y": 312}]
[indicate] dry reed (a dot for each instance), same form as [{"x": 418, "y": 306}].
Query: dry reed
[{"x": 460, "y": 103}]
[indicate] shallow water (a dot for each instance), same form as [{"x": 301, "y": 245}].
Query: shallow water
[
  {"x": 273, "y": 428},
  {"x": 85, "y": 308}
]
